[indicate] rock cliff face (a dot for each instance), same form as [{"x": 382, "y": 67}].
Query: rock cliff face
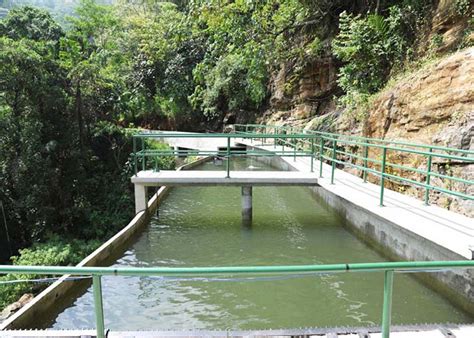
[
  {"x": 297, "y": 99},
  {"x": 447, "y": 24},
  {"x": 434, "y": 105}
]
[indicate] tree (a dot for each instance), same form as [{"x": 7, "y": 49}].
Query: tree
[{"x": 30, "y": 23}]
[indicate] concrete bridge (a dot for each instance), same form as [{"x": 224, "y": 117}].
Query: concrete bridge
[{"x": 244, "y": 179}]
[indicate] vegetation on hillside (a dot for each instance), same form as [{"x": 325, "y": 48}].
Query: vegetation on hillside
[{"x": 70, "y": 89}]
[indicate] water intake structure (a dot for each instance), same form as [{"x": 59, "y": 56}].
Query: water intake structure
[{"x": 203, "y": 226}]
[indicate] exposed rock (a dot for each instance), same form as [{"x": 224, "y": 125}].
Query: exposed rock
[
  {"x": 447, "y": 24},
  {"x": 435, "y": 106},
  {"x": 12, "y": 308},
  {"x": 304, "y": 93}
]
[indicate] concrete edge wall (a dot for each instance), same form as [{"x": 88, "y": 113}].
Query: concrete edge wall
[
  {"x": 46, "y": 300},
  {"x": 396, "y": 243}
]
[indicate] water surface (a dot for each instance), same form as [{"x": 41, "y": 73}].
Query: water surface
[{"x": 201, "y": 226}]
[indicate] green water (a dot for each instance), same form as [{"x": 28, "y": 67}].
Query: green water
[{"x": 202, "y": 227}]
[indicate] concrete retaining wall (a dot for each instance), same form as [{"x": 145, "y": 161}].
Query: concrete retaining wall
[
  {"x": 396, "y": 243},
  {"x": 54, "y": 298}
]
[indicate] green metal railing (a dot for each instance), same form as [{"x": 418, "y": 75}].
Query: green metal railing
[
  {"x": 358, "y": 152},
  {"x": 146, "y": 158},
  {"x": 389, "y": 268}
]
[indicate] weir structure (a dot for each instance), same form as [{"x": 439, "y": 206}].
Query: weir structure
[
  {"x": 400, "y": 226},
  {"x": 148, "y": 173}
]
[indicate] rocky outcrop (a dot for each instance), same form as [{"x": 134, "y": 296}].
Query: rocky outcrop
[
  {"x": 447, "y": 26},
  {"x": 300, "y": 94},
  {"x": 12, "y": 308},
  {"x": 434, "y": 106}
]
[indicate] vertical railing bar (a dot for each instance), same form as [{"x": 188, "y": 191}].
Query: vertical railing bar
[
  {"x": 295, "y": 144},
  {"x": 333, "y": 164},
  {"x": 428, "y": 177},
  {"x": 366, "y": 155},
  {"x": 382, "y": 175},
  {"x": 275, "y": 139},
  {"x": 228, "y": 157},
  {"x": 283, "y": 141},
  {"x": 321, "y": 149},
  {"x": 98, "y": 305},
  {"x": 134, "y": 141},
  {"x": 387, "y": 303},
  {"x": 312, "y": 154},
  {"x": 143, "y": 154}
]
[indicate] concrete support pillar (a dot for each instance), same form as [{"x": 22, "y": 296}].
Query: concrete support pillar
[
  {"x": 246, "y": 204},
  {"x": 141, "y": 198}
]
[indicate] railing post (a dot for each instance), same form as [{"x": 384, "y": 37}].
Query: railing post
[
  {"x": 312, "y": 154},
  {"x": 134, "y": 141},
  {"x": 283, "y": 142},
  {"x": 275, "y": 131},
  {"x": 333, "y": 164},
  {"x": 321, "y": 150},
  {"x": 228, "y": 157},
  {"x": 143, "y": 154},
  {"x": 366, "y": 155},
  {"x": 382, "y": 175},
  {"x": 295, "y": 143},
  {"x": 428, "y": 177},
  {"x": 98, "y": 306},
  {"x": 387, "y": 303}
]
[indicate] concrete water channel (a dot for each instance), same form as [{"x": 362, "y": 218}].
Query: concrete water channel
[{"x": 202, "y": 226}]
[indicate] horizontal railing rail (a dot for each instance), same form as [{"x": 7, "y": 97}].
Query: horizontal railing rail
[
  {"x": 389, "y": 268},
  {"x": 147, "y": 158},
  {"x": 357, "y": 152},
  {"x": 242, "y": 127}
]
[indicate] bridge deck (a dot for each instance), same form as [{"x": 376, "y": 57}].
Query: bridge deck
[{"x": 237, "y": 178}]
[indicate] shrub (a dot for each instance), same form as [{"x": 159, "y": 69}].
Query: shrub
[
  {"x": 53, "y": 252},
  {"x": 369, "y": 46}
]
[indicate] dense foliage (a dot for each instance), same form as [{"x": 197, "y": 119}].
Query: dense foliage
[
  {"x": 64, "y": 160},
  {"x": 372, "y": 45},
  {"x": 55, "y": 252}
]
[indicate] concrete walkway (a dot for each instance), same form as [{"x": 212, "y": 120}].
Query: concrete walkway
[
  {"x": 448, "y": 229},
  {"x": 239, "y": 178}
]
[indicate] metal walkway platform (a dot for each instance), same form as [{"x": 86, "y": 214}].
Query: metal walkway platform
[
  {"x": 412, "y": 331},
  {"x": 237, "y": 178}
]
